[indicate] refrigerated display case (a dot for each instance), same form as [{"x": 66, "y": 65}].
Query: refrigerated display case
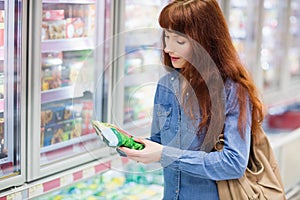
[
  {"x": 139, "y": 65},
  {"x": 67, "y": 53},
  {"x": 12, "y": 101},
  {"x": 243, "y": 24},
  {"x": 272, "y": 57},
  {"x": 294, "y": 48}
]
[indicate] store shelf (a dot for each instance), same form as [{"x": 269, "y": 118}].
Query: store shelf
[
  {"x": 57, "y": 94},
  {"x": 70, "y": 1},
  {"x": 71, "y": 142},
  {"x": 68, "y": 44}
]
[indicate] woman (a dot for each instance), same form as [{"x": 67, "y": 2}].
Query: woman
[{"x": 206, "y": 92}]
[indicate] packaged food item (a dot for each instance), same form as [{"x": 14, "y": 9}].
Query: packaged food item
[
  {"x": 57, "y": 135},
  {"x": 2, "y": 85},
  {"x": 2, "y": 13},
  {"x": 1, "y": 127},
  {"x": 74, "y": 27},
  {"x": 114, "y": 136},
  {"x": 48, "y": 134},
  {"x": 51, "y": 15},
  {"x": 2, "y": 27},
  {"x": 1, "y": 33},
  {"x": 51, "y": 70},
  {"x": 77, "y": 128},
  {"x": 89, "y": 19},
  {"x": 57, "y": 29},
  {"x": 45, "y": 31},
  {"x": 47, "y": 117}
]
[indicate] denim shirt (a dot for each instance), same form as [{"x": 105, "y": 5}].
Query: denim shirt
[{"x": 188, "y": 172}]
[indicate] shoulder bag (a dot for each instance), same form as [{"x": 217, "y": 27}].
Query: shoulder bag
[{"x": 261, "y": 180}]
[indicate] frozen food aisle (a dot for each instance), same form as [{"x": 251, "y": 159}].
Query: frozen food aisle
[{"x": 64, "y": 62}]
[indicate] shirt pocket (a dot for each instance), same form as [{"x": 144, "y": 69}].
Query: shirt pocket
[{"x": 163, "y": 113}]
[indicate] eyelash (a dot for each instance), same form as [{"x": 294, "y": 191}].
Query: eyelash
[{"x": 179, "y": 42}]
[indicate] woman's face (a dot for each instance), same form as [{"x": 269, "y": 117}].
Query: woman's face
[{"x": 178, "y": 47}]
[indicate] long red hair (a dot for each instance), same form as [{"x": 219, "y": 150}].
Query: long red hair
[{"x": 204, "y": 23}]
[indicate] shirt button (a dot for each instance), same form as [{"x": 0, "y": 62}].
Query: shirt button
[
  {"x": 176, "y": 191},
  {"x": 172, "y": 78}
]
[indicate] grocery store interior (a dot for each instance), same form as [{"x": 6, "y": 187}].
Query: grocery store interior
[{"x": 66, "y": 62}]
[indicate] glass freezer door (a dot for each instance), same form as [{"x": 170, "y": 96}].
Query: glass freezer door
[
  {"x": 12, "y": 154},
  {"x": 294, "y": 48},
  {"x": 140, "y": 64},
  {"x": 67, "y": 65},
  {"x": 242, "y": 23},
  {"x": 272, "y": 34}
]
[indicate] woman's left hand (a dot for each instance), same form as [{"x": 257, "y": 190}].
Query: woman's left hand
[{"x": 151, "y": 152}]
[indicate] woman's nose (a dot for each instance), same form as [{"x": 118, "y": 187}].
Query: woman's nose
[{"x": 168, "y": 49}]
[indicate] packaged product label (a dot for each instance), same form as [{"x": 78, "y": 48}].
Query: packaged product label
[
  {"x": 74, "y": 27},
  {"x": 51, "y": 15},
  {"x": 113, "y": 136},
  {"x": 57, "y": 29}
]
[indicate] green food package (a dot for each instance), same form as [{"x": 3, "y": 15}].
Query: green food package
[{"x": 114, "y": 136}]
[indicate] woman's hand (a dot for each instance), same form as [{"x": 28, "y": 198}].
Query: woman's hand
[{"x": 151, "y": 152}]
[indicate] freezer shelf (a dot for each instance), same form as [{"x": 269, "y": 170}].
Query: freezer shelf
[{"x": 67, "y": 44}]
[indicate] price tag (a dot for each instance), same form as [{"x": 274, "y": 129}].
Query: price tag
[
  {"x": 66, "y": 180},
  {"x": 15, "y": 196},
  {"x": 88, "y": 172},
  {"x": 35, "y": 190}
]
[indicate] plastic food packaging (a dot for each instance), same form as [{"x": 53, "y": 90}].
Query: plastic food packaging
[{"x": 113, "y": 136}]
